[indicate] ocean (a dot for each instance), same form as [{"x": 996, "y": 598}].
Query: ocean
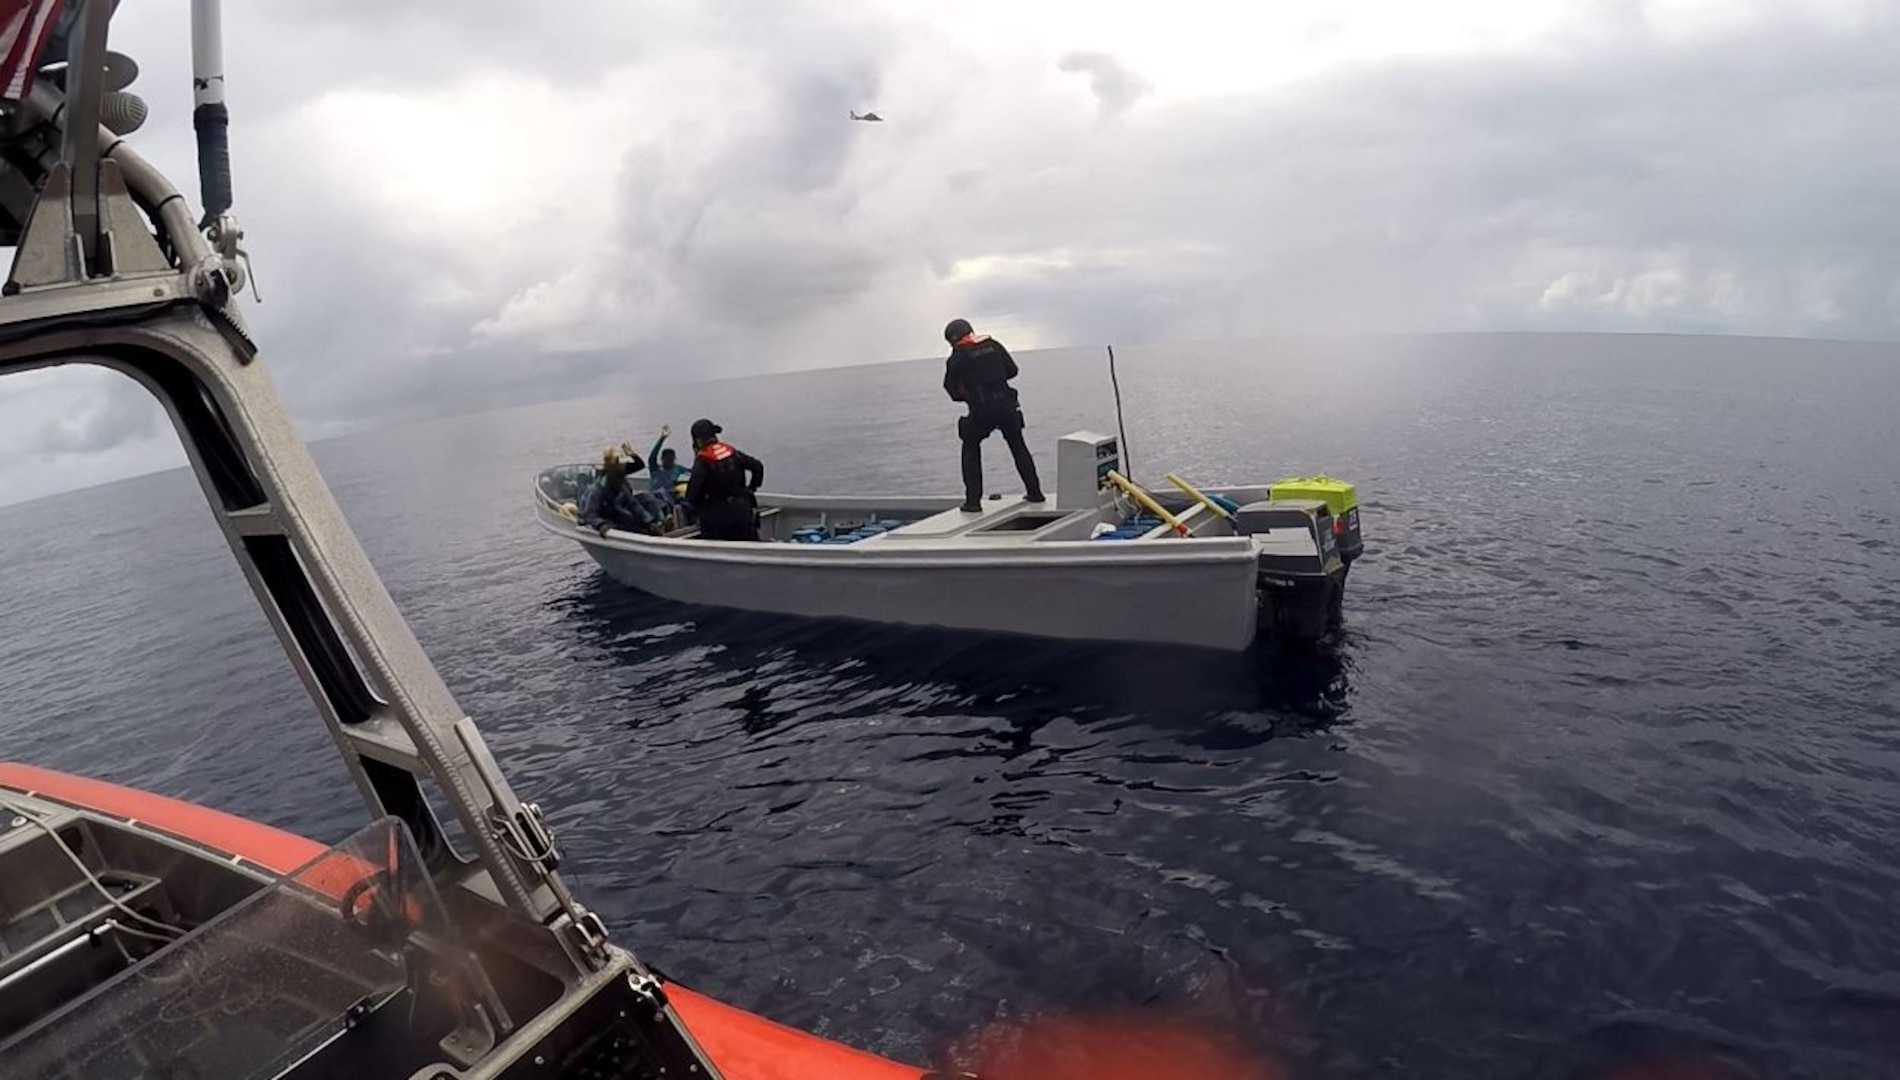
[{"x": 1604, "y": 769}]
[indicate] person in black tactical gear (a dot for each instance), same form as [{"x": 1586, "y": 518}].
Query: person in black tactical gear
[
  {"x": 977, "y": 374},
  {"x": 722, "y": 486}
]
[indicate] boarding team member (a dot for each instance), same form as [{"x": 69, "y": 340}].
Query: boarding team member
[
  {"x": 977, "y": 374},
  {"x": 722, "y": 486}
]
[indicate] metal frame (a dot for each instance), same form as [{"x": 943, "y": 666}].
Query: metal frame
[{"x": 147, "y": 295}]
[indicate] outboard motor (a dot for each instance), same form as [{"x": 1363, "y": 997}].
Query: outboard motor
[
  {"x": 1302, "y": 576},
  {"x": 1340, "y": 497}
]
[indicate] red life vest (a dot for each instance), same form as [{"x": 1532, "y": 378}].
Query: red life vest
[{"x": 716, "y": 451}]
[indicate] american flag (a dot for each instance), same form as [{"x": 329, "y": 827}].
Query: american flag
[{"x": 24, "y": 27}]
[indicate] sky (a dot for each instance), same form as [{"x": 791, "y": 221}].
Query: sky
[{"x": 459, "y": 206}]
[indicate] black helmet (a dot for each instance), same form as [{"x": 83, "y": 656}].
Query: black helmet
[
  {"x": 957, "y": 330},
  {"x": 704, "y": 429}
]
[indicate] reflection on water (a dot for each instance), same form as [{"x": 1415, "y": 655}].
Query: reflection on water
[{"x": 1216, "y": 700}]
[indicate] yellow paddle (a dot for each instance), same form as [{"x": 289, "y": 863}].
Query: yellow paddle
[
  {"x": 1147, "y": 501},
  {"x": 1195, "y": 493}
]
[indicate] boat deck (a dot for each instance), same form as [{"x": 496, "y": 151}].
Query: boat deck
[{"x": 954, "y": 522}]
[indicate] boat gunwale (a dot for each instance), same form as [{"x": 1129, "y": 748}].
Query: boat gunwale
[
  {"x": 938, "y": 503},
  {"x": 956, "y": 550},
  {"x": 918, "y": 554}
]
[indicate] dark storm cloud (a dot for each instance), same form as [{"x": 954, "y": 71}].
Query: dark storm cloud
[
  {"x": 752, "y": 236},
  {"x": 1116, "y": 86},
  {"x": 724, "y": 227}
]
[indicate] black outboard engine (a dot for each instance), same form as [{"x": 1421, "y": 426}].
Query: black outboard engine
[
  {"x": 1302, "y": 578},
  {"x": 1340, "y": 496}
]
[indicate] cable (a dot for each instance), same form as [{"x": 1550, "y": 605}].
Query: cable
[
  {"x": 119, "y": 942},
  {"x": 30, "y": 817},
  {"x": 506, "y": 838},
  {"x": 114, "y": 924}
]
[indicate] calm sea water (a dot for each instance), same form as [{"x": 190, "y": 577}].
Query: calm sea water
[{"x": 1605, "y": 768}]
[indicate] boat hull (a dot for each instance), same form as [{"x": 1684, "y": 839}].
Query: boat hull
[{"x": 1202, "y": 597}]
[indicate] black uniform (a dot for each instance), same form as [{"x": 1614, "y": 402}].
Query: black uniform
[
  {"x": 978, "y": 374},
  {"x": 720, "y": 492}
]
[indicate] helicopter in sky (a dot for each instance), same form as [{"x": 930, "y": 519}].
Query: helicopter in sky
[{"x": 869, "y": 117}]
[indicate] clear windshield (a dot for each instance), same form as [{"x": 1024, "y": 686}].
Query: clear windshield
[{"x": 261, "y": 987}]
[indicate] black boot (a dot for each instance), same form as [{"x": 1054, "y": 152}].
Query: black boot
[{"x": 972, "y": 471}]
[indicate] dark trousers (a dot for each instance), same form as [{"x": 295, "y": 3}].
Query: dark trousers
[
  {"x": 976, "y": 427},
  {"x": 728, "y": 519}
]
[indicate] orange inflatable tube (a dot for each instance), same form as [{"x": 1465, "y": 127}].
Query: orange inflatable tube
[{"x": 744, "y": 1045}]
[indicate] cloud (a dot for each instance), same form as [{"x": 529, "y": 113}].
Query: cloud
[
  {"x": 1116, "y": 87},
  {"x": 455, "y": 206},
  {"x": 71, "y": 426},
  {"x": 121, "y": 411}
]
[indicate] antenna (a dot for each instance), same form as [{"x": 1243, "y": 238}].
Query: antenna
[
  {"x": 209, "y": 118},
  {"x": 212, "y": 122},
  {"x": 1121, "y": 432}
]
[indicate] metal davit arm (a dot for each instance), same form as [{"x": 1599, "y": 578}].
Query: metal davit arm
[{"x": 383, "y": 701}]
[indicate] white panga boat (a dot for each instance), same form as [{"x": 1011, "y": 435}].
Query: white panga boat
[{"x": 1106, "y": 560}]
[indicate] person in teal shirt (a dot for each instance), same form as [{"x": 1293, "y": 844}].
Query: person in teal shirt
[{"x": 664, "y": 471}]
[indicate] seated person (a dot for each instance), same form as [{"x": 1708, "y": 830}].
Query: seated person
[
  {"x": 610, "y": 502},
  {"x": 656, "y": 508}
]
